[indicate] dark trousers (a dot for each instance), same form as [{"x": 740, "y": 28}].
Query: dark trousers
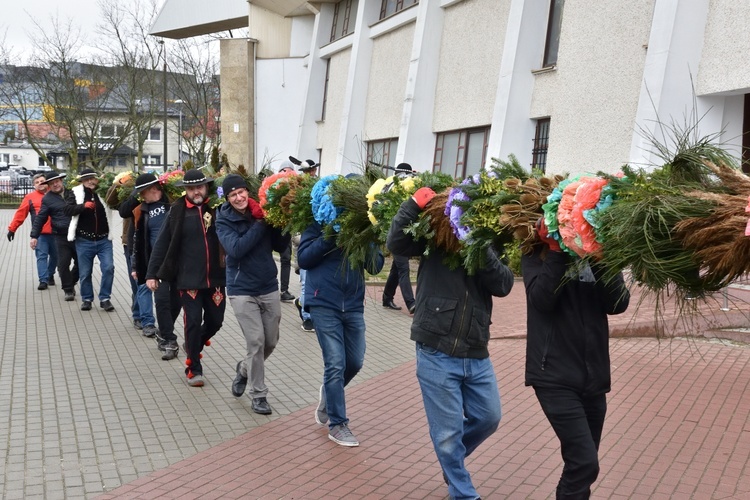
[
  {"x": 285, "y": 258},
  {"x": 399, "y": 276},
  {"x": 66, "y": 253},
  {"x": 168, "y": 304},
  {"x": 578, "y": 421},
  {"x": 203, "y": 312},
  {"x": 133, "y": 284}
]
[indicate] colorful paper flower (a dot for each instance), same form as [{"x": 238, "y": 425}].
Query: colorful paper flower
[{"x": 323, "y": 210}]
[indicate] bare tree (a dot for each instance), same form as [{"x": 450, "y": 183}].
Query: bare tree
[
  {"x": 128, "y": 46},
  {"x": 194, "y": 80}
]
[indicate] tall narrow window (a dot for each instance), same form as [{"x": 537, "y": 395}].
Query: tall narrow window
[
  {"x": 553, "y": 33},
  {"x": 390, "y": 7},
  {"x": 461, "y": 153},
  {"x": 344, "y": 18},
  {"x": 541, "y": 143},
  {"x": 325, "y": 90},
  {"x": 382, "y": 153},
  {"x": 746, "y": 136}
]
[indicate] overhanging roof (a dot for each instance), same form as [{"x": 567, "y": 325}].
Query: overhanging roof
[{"x": 187, "y": 18}]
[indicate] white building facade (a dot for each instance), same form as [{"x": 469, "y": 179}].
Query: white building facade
[{"x": 446, "y": 85}]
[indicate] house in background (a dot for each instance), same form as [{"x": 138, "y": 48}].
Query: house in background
[{"x": 446, "y": 85}]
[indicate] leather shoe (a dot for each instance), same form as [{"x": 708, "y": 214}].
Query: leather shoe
[
  {"x": 86, "y": 305},
  {"x": 261, "y": 406},
  {"x": 391, "y": 305},
  {"x": 70, "y": 296},
  {"x": 240, "y": 384},
  {"x": 412, "y": 308},
  {"x": 106, "y": 305}
]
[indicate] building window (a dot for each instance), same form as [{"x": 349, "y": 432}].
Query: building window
[
  {"x": 114, "y": 131},
  {"x": 154, "y": 134},
  {"x": 117, "y": 161},
  {"x": 541, "y": 143},
  {"x": 382, "y": 153},
  {"x": 152, "y": 160},
  {"x": 344, "y": 18},
  {"x": 553, "y": 33},
  {"x": 325, "y": 90},
  {"x": 461, "y": 153},
  {"x": 390, "y": 7}
]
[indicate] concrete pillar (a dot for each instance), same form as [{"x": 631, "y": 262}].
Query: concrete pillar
[{"x": 238, "y": 101}]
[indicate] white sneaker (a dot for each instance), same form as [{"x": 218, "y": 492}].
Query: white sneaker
[{"x": 321, "y": 413}]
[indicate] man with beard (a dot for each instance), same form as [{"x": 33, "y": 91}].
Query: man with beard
[
  {"x": 187, "y": 253},
  {"x": 249, "y": 243},
  {"x": 53, "y": 208}
]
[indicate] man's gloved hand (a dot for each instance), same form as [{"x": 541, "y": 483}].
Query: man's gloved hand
[
  {"x": 255, "y": 209},
  {"x": 89, "y": 205},
  {"x": 11, "y": 235},
  {"x": 423, "y": 196},
  {"x": 543, "y": 232}
]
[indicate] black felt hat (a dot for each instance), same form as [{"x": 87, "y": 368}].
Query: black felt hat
[
  {"x": 143, "y": 181},
  {"x": 194, "y": 178}
]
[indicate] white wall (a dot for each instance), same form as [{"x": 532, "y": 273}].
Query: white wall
[
  {"x": 592, "y": 97},
  {"x": 724, "y": 60},
  {"x": 386, "y": 88},
  {"x": 280, "y": 95},
  {"x": 469, "y": 61}
]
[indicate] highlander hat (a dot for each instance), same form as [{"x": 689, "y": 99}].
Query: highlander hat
[
  {"x": 52, "y": 176},
  {"x": 231, "y": 183},
  {"x": 308, "y": 165},
  {"x": 193, "y": 177},
  {"x": 87, "y": 173},
  {"x": 143, "y": 181},
  {"x": 403, "y": 167}
]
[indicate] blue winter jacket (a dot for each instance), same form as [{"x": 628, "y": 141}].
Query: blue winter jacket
[
  {"x": 331, "y": 282},
  {"x": 248, "y": 244}
]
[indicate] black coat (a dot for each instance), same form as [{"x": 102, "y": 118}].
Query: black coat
[
  {"x": 568, "y": 332},
  {"x": 453, "y": 309},
  {"x": 53, "y": 206},
  {"x": 187, "y": 251}
]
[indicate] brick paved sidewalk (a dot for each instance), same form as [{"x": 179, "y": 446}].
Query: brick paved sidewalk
[{"x": 678, "y": 427}]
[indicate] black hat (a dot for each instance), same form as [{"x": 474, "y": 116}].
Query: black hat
[
  {"x": 403, "y": 167},
  {"x": 308, "y": 165},
  {"x": 51, "y": 176},
  {"x": 143, "y": 181},
  {"x": 232, "y": 182},
  {"x": 193, "y": 177},
  {"x": 87, "y": 173}
]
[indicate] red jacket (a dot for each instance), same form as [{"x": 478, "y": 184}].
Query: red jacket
[{"x": 31, "y": 203}]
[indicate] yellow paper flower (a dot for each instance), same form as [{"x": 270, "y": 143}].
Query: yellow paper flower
[{"x": 375, "y": 190}]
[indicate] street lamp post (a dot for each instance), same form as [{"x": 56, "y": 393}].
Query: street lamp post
[
  {"x": 166, "y": 118},
  {"x": 179, "y": 133}
]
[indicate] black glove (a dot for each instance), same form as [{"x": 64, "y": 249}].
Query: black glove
[{"x": 11, "y": 235}]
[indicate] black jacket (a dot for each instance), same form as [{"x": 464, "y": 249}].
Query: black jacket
[
  {"x": 138, "y": 237},
  {"x": 249, "y": 245},
  {"x": 53, "y": 206},
  {"x": 568, "y": 333},
  {"x": 92, "y": 224},
  {"x": 187, "y": 251},
  {"x": 453, "y": 309}
]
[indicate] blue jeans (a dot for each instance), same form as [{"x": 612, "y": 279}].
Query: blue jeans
[
  {"x": 145, "y": 300},
  {"x": 341, "y": 336},
  {"x": 462, "y": 403},
  {"x": 302, "y": 278},
  {"x": 87, "y": 250},
  {"x": 46, "y": 257}
]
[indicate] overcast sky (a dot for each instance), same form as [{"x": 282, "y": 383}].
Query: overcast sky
[{"x": 18, "y": 16}]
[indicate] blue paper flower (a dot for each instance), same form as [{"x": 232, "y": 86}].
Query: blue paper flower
[{"x": 323, "y": 209}]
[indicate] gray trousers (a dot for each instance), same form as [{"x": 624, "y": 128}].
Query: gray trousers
[{"x": 259, "y": 319}]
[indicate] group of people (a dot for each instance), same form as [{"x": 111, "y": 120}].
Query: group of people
[{"x": 193, "y": 257}]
